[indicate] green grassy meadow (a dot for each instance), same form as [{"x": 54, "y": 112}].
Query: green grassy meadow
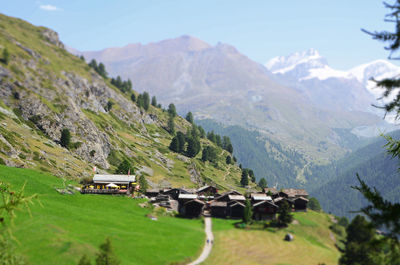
[
  {"x": 62, "y": 228},
  {"x": 313, "y": 243}
]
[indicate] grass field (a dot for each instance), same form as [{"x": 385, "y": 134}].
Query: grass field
[
  {"x": 313, "y": 243},
  {"x": 64, "y": 227}
]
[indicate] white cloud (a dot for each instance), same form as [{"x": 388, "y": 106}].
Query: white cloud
[{"x": 49, "y": 8}]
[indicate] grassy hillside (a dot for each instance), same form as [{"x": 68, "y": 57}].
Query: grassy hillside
[
  {"x": 45, "y": 89},
  {"x": 64, "y": 227},
  {"x": 313, "y": 243}
]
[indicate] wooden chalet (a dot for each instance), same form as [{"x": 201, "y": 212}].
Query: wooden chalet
[
  {"x": 264, "y": 210},
  {"x": 218, "y": 208},
  {"x": 278, "y": 201},
  {"x": 225, "y": 196},
  {"x": 207, "y": 191},
  {"x": 236, "y": 209},
  {"x": 300, "y": 204},
  {"x": 293, "y": 193},
  {"x": 173, "y": 193},
  {"x": 258, "y": 197},
  {"x": 192, "y": 208},
  {"x": 273, "y": 192}
]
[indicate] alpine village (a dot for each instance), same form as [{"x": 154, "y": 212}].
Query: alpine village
[{"x": 96, "y": 170}]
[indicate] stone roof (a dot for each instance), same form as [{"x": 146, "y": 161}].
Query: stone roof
[
  {"x": 218, "y": 204},
  {"x": 187, "y": 196},
  {"x": 272, "y": 190},
  {"x": 236, "y": 197},
  {"x": 265, "y": 202},
  {"x": 295, "y": 192},
  {"x": 260, "y": 197}
]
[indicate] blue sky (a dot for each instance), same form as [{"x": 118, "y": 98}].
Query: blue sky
[{"x": 259, "y": 29}]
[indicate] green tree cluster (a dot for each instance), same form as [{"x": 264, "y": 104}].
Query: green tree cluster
[
  {"x": 262, "y": 183},
  {"x": 143, "y": 184},
  {"x": 99, "y": 68},
  {"x": 143, "y": 101},
  {"x": 314, "y": 205},
  {"x": 209, "y": 154},
  {"x": 124, "y": 86},
  {"x": 359, "y": 246},
  {"x": 188, "y": 145},
  {"x": 224, "y": 142},
  {"x": 124, "y": 167}
]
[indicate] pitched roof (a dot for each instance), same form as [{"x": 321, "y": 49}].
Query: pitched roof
[
  {"x": 265, "y": 202},
  {"x": 272, "y": 190},
  {"x": 204, "y": 188},
  {"x": 236, "y": 197},
  {"x": 218, "y": 204},
  {"x": 118, "y": 179},
  {"x": 187, "y": 196},
  {"x": 295, "y": 192},
  {"x": 196, "y": 201},
  {"x": 301, "y": 198},
  {"x": 260, "y": 197},
  {"x": 237, "y": 204}
]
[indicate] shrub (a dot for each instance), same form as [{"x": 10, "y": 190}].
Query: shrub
[{"x": 65, "y": 138}]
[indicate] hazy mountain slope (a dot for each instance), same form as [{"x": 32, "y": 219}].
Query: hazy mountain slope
[
  {"x": 373, "y": 165},
  {"x": 220, "y": 83},
  {"x": 44, "y": 89}
]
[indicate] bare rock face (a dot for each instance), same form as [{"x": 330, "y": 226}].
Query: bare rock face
[{"x": 52, "y": 37}]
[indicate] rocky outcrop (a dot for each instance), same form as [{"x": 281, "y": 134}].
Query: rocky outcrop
[{"x": 52, "y": 37}]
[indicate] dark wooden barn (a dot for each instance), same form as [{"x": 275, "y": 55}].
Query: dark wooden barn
[
  {"x": 207, "y": 191},
  {"x": 236, "y": 210},
  {"x": 218, "y": 209},
  {"x": 193, "y": 208},
  {"x": 300, "y": 204},
  {"x": 264, "y": 210}
]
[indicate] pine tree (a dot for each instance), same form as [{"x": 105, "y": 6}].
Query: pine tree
[
  {"x": 172, "y": 110},
  {"x": 244, "y": 181},
  {"x": 133, "y": 97},
  {"x": 285, "y": 216},
  {"x": 174, "y": 145},
  {"x": 252, "y": 176},
  {"x": 65, "y": 139},
  {"x": 101, "y": 70},
  {"x": 202, "y": 132},
  {"x": 93, "y": 64},
  {"x": 171, "y": 126},
  {"x": 109, "y": 105},
  {"x": 143, "y": 184},
  {"x": 228, "y": 160},
  {"x": 247, "y": 213},
  {"x": 139, "y": 101},
  {"x": 154, "y": 101},
  {"x": 146, "y": 100},
  {"x": 204, "y": 155},
  {"x": 189, "y": 117},
  {"x": 6, "y": 56},
  {"x": 181, "y": 141},
  {"x": 262, "y": 183},
  {"x": 106, "y": 255},
  {"x": 193, "y": 147}
]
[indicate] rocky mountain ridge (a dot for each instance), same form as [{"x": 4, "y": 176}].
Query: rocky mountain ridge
[{"x": 44, "y": 89}]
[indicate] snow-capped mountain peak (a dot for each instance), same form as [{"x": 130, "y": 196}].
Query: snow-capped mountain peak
[
  {"x": 304, "y": 65},
  {"x": 378, "y": 69},
  {"x": 283, "y": 64}
]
